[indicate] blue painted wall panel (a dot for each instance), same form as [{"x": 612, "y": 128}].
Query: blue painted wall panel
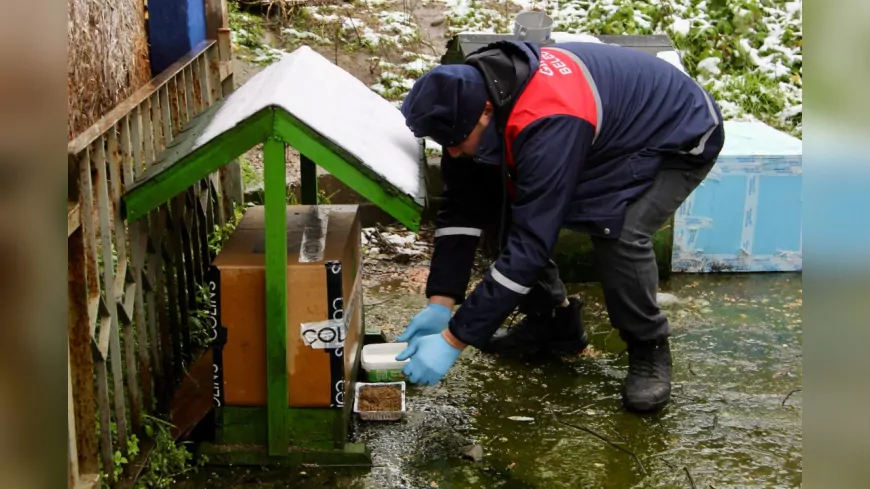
[
  {"x": 746, "y": 215},
  {"x": 195, "y": 22},
  {"x": 778, "y": 225},
  {"x": 174, "y": 28},
  {"x": 722, "y": 203}
]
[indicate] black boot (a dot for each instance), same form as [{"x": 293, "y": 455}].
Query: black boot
[
  {"x": 559, "y": 332},
  {"x": 648, "y": 384}
]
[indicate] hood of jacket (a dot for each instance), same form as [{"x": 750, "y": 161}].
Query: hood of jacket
[{"x": 507, "y": 67}]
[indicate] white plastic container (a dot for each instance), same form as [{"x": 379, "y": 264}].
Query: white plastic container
[
  {"x": 379, "y": 362},
  {"x": 378, "y": 415}
]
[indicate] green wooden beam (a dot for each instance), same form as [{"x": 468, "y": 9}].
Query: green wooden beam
[
  {"x": 307, "y": 427},
  {"x": 351, "y": 455},
  {"x": 308, "y": 171},
  {"x": 275, "y": 176},
  {"x": 181, "y": 166},
  {"x": 348, "y": 169}
]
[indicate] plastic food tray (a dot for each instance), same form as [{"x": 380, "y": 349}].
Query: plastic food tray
[
  {"x": 378, "y": 415},
  {"x": 378, "y": 360}
]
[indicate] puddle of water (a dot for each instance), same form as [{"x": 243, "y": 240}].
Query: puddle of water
[{"x": 736, "y": 345}]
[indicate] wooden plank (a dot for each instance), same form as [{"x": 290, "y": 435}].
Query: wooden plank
[
  {"x": 348, "y": 169},
  {"x": 274, "y": 163},
  {"x": 96, "y": 131},
  {"x": 308, "y": 171},
  {"x": 166, "y": 111},
  {"x": 158, "y": 325},
  {"x": 172, "y": 272},
  {"x": 193, "y": 235},
  {"x": 196, "y": 81},
  {"x": 81, "y": 364},
  {"x": 194, "y": 397},
  {"x": 147, "y": 135},
  {"x": 188, "y": 230},
  {"x": 226, "y": 70},
  {"x": 73, "y": 218},
  {"x": 137, "y": 163},
  {"x": 72, "y": 448},
  {"x": 86, "y": 200},
  {"x": 182, "y": 291},
  {"x": 124, "y": 158},
  {"x": 138, "y": 245},
  {"x": 190, "y": 102},
  {"x": 213, "y": 67},
  {"x": 110, "y": 294},
  {"x": 118, "y": 225},
  {"x": 207, "y": 100},
  {"x": 184, "y": 114},
  {"x": 156, "y": 127},
  {"x": 210, "y": 218},
  {"x": 106, "y": 442},
  {"x": 174, "y": 105},
  {"x": 214, "y": 17},
  {"x": 172, "y": 179}
]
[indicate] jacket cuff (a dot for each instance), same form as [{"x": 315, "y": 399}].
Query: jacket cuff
[
  {"x": 458, "y": 297},
  {"x": 462, "y": 335}
]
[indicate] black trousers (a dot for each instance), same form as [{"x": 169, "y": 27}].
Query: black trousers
[{"x": 627, "y": 265}]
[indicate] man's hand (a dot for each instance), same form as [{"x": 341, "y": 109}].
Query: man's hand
[
  {"x": 431, "y": 357},
  {"x": 431, "y": 320}
]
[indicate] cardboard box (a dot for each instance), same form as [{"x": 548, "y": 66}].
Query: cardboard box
[
  {"x": 746, "y": 215},
  {"x": 324, "y": 308}
]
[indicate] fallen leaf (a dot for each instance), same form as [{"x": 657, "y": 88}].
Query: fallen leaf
[{"x": 520, "y": 418}]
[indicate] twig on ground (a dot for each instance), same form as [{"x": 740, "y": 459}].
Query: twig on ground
[
  {"x": 489, "y": 441},
  {"x": 793, "y": 391},
  {"x": 384, "y": 241},
  {"x": 689, "y": 475},
  {"x": 602, "y": 438},
  {"x": 378, "y": 303},
  {"x": 692, "y": 371}
]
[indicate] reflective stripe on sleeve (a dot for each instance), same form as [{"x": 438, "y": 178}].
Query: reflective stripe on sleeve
[
  {"x": 453, "y": 231},
  {"x": 508, "y": 283}
]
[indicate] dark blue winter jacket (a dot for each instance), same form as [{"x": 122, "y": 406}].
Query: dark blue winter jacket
[{"x": 580, "y": 130}]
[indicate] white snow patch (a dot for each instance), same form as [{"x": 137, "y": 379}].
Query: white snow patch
[
  {"x": 572, "y": 37},
  {"x": 673, "y": 58},
  {"x": 791, "y": 111},
  {"x": 432, "y": 145},
  {"x": 682, "y": 26},
  {"x": 710, "y": 65},
  {"x": 293, "y": 33},
  {"x": 335, "y": 104}
]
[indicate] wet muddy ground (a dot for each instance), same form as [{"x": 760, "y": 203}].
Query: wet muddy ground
[{"x": 734, "y": 420}]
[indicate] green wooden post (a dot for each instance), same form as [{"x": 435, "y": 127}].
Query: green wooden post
[
  {"x": 274, "y": 176},
  {"x": 309, "y": 181}
]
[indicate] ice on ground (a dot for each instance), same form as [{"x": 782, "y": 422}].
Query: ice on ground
[
  {"x": 335, "y": 104},
  {"x": 665, "y": 299}
]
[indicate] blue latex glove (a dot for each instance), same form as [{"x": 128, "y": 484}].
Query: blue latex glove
[
  {"x": 431, "y": 320},
  {"x": 431, "y": 357}
]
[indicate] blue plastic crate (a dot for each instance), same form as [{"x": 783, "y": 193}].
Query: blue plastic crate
[{"x": 746, "y": 215}]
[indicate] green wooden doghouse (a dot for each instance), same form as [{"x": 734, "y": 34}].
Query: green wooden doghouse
[{"x": 338, "y": 123}]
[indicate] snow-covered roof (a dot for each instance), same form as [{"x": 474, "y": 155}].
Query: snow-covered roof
[{"x": 336, "y": 105}]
